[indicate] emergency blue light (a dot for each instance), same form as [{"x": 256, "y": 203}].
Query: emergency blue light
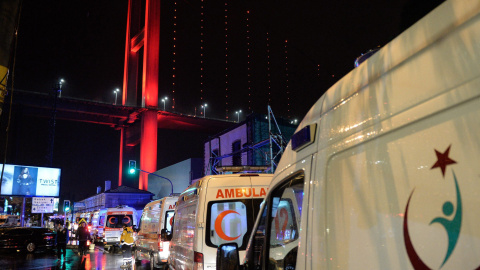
[{"x": 303, "y": 137}]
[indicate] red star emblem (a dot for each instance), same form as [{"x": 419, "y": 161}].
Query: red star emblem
[{"x": 443, "y": 160}]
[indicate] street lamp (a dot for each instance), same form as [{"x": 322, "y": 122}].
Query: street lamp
[
  {"x": 238, "y": 115},
  {"x": 164, "y": 100},
  {"x": 59, "y": 90},
  {"x": 204, "y": 106},
  {"x": 116, "y": 92}
]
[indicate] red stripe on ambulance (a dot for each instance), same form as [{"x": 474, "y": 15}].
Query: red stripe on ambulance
[
  {"x": 120, "y": 213},
  {"x": 241, "y": 192}
]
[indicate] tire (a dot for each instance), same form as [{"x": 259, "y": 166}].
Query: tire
[
  {"x": 138, "y": 261},
  {"x": 31, "y": 247},
  {"x": 152, "y": 262}
]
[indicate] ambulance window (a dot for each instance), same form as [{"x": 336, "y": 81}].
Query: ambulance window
[
  {"x": 117, "y": 221},
  {"x": 285, "y": 216},
  {"x": 169, "y": 220},
  {"x": 127, "y": 220},
  {"x": 101, "y": 221},
  {"x": 231, "y": 221}
]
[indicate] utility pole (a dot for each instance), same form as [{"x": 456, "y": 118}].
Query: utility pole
[{"x": 57, "y": 90}]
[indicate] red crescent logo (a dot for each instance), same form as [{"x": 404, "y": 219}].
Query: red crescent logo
[
  {"x": 171, "y": 221},
  {"x": 127, "y": 218},
  {"x": 110, "y": 220},
  {"x": 218, "y": 225}
]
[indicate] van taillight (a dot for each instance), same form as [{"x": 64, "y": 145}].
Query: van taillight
[
  {"x": 197, "y": 260},
  {"x": 160, "y": 244}
]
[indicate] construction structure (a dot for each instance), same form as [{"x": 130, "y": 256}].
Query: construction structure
[{"x": 258, "y": 141}]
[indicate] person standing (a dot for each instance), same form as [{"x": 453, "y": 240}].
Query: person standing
[
  {"x": 25, "y": 181},
  {"x": 127, "y": 241},
  {"x": 61, "y": 239},
  {"x": 83, "y": 235}
]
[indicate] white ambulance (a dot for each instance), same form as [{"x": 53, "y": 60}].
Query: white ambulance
[
  {"x": 152, "y": 242},
  {"x": 216, "y": 209},
  {"x": 116, "y": 218},
  {"x": 384, "y": 170},
  {"x": 98, "y": 225}
]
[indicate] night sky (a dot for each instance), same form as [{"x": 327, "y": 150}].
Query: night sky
[{"x": 83, "y": 42}]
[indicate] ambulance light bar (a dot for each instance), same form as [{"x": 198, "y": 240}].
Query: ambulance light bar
[
  {"x": 237, "y": 169},
  {"x": 303, "y": 137}
]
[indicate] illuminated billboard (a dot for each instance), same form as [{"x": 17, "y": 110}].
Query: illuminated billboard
[{"x": 21, "y": 180}]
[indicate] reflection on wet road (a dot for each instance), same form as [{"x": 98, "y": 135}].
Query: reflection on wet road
[{"x": 96, "y": 259}]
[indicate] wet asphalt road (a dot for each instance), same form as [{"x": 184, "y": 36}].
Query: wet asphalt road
[{"x": 96, "y": 259}]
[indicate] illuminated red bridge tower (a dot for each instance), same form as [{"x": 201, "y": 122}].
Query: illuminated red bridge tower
[
  {"x": 140, "y": 90},
  {"x": 142, "y": 40}
]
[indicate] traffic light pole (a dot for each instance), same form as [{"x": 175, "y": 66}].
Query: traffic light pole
[{"x": 157, "y": 176}]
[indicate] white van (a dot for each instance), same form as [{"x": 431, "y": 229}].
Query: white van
[
  {"x": 157, "y": 218},
  {"x": 98, "y": 225},
  {"x": 384, "y": 170},
  {"x": 116, "y": 217},
  {"x": 216, "y": 209}
]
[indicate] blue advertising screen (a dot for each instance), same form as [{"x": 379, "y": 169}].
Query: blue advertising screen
[{"x": 21, "y": 180}]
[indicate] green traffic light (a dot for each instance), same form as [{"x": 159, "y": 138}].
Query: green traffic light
[{"x": 132, "y": 166}]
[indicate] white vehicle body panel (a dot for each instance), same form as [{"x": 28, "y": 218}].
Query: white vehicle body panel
[
  {"x": 392, "y": 176},
  {"x": 112, "y": 235},
  {"x": 198, "y": 229},
  {"x": 155, "y": 217},
  {"x": 98, "y": 223}
]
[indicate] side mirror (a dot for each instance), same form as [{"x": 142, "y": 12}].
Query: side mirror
[
  {"x": 165, "y": 236},
  {"x": 227, "y": 257}
]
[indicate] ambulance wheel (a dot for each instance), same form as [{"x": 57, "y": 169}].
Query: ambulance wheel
[
  {"x": 137, "y": 258},
  {"x": 152, "y": 262}
]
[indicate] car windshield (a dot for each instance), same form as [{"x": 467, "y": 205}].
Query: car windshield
[{"x": 117, "y": 221}]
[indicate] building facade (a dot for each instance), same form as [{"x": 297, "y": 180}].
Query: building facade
[{"x": 248, "y": 143}]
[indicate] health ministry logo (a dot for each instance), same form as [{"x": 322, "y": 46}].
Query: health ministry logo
[{"x": 451, "y": 221}]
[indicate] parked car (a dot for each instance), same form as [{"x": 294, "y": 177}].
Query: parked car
[
  {"x": 27, "y": 239},
  {"x": 9, "y": 220}
]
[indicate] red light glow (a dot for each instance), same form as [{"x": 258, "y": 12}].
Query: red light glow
[{"x": 148, "y": 147}]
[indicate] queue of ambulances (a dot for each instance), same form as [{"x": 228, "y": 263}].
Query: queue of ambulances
[
  {"x": 153, "y": 241},
  {"x": 214, "y": 210},
  {"x": 116, "y": 218},
  {"x": 384, "y": 170}
]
